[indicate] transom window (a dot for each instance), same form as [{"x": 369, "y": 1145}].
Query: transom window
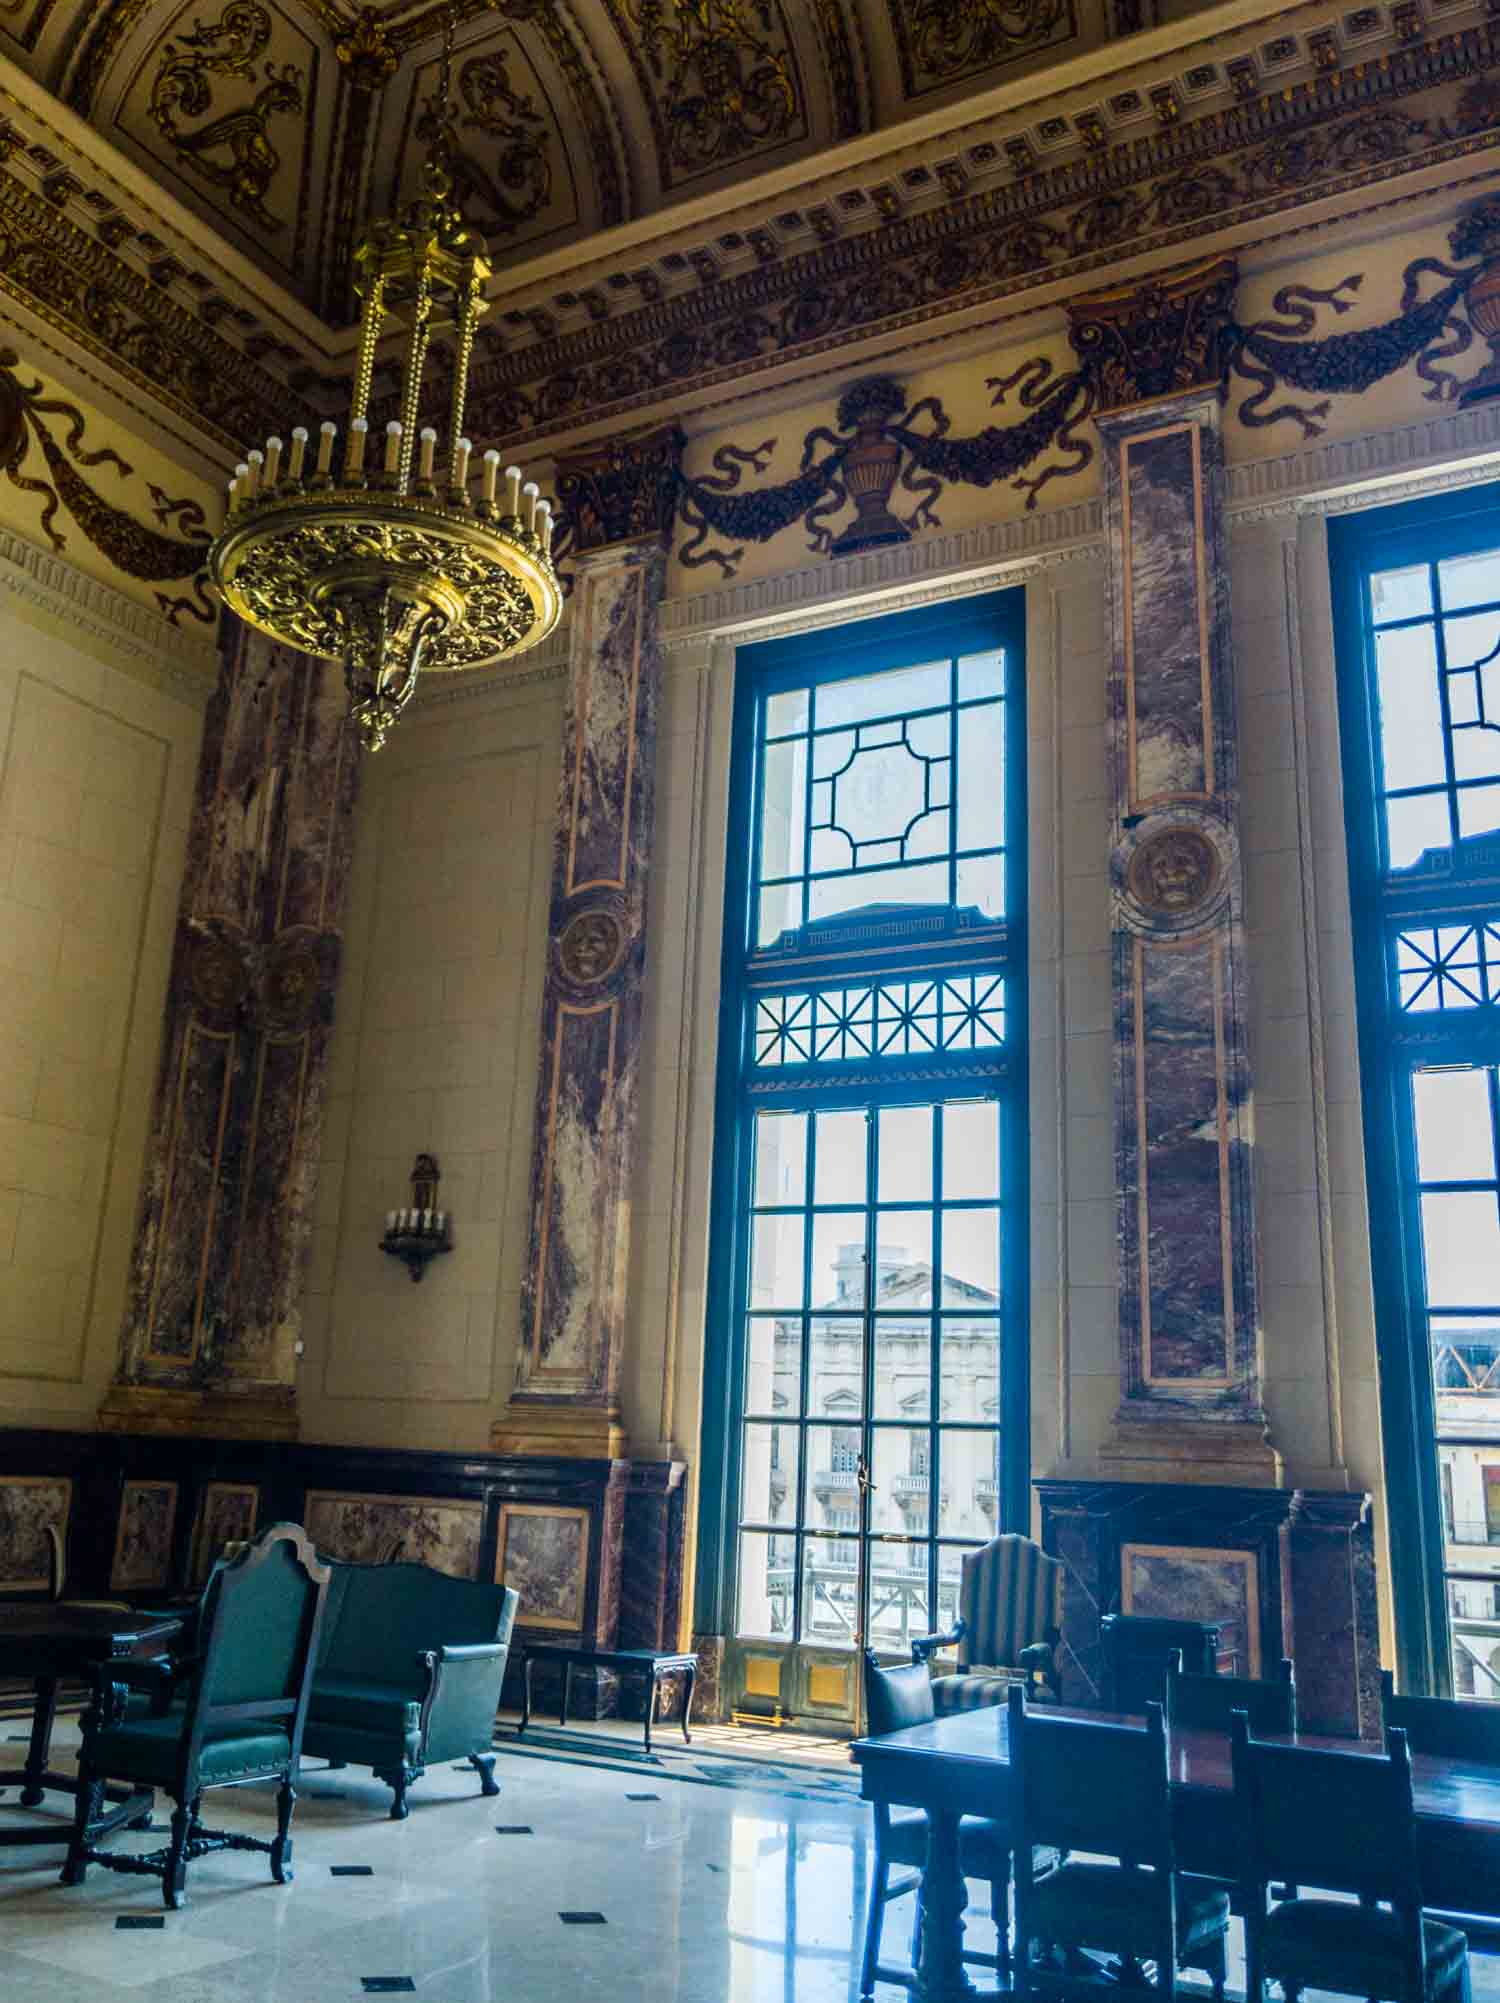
[
  {"x": 870, "y": 1216},
  {"x": 1418, "y": 595}
]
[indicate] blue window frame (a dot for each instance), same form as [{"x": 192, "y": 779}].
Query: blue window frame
[
  {"x": 1417, "y": 603},
  {"x": 868, "y": 1272}
]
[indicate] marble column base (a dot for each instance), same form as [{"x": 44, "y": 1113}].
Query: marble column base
[
  {"x": 1234, "y": 1453},
  {"x": 210, "y": 1414},
  {"x": 569, "y": 1432}
]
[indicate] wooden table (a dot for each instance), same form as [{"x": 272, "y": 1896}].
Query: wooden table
[
  {"x": 655, "y": 1663},
  {"x": 958, "y": 1766},
  {"x": 50, "y": 1643}
]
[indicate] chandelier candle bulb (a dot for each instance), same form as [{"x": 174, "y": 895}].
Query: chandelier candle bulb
[
  {"x": 234, "y": 481},
  {"x": 273, "y": 462},
  {"x": 461, "y": 450},
  {"x": 257, "y": 460},
  {"x": 393, "y": 446},
  {"x": 328, "y": 431},
  {"x": 544, "y": 523},
  {"x": 491, "y": 469},
  {"x": 299, "y": 447},
  {"x": 530, "y": 492},
  {"x": 429, "y": 447},
  {"x": 354, "y": 458},
  {"x": 512, "y": 489}
]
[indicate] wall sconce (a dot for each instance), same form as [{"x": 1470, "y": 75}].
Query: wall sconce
[{"x": 417, "y": 1234}]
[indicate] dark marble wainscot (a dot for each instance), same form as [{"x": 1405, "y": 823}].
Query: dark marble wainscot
[{"x": 1312, "y": 1565}]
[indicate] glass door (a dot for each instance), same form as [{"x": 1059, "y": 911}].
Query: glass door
[{"x": 870, "y": 1432}]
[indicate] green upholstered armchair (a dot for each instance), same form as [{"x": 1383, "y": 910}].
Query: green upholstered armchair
[
  {"x": 409, "y": 1673},
  {"x": 1009, "y": 1626},
  {"x": 230, "y": 1714}
]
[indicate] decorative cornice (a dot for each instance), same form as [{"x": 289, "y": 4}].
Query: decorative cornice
[
  {"x": 137, "y": 641},
  {"x": 1347, "y": 473}
]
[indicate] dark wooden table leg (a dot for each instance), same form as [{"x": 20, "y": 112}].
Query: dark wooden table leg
[
  {"x": 687, "y": 1704},
  {"x": 525, "y": 1696},
  {"x": 940, "y": 1974},
  {"x": 567, "y": 1691},
  {"x": 41, "y": 1741},
  {"x": 654, "y": 1686}
]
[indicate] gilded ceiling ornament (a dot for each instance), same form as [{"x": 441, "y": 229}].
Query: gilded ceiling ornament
[
  {"x": 514, "y": 181},
  {"x": 943, "y": 40},
  {"x": 366, "y": 53},
  {"x": 230, "y": 47},
  {"x": 726, "y": 70},
  {"x": 128, "y": 544}
]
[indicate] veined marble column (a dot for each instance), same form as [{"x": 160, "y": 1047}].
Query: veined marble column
[
  {"x": 211, "y": 1329},
  {"x": 621, "y": 498},
  {"x": 1189, "y": 1324}
]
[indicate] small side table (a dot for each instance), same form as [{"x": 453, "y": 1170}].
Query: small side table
[{"x": 640, "y": 1661}]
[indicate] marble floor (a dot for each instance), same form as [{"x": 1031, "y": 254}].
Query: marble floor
[{"x": 576, "y": 1883}]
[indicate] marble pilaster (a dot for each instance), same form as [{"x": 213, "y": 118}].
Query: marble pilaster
[
  {"x": 1189, "y": 1324},
  {"x": 210, "y": 1338},
  {"x": 619, "y": 500}
]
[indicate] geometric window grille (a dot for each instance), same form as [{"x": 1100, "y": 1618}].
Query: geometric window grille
[
  {"x": 880, "y": 1019},
  {"x": 1444, "y": 967}
]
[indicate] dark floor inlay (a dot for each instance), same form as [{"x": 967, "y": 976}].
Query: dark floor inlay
[
  {"x": 583, "y": 1919},
  {"x": 643, "y": 1797},
  {"x": 128, "y": 1922},
  {"x": 351, "y": 1870},
  {"x": 514, "y": 1829},
  {"x": 388, "y": 1985}
]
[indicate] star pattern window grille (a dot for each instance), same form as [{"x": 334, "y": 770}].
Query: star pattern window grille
[{"x": 910, "y": 1018}]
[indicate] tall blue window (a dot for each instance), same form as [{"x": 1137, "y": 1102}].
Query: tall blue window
[
  {"x": 869, "y": 1284},
  {"x": 1418, "y": 596}
]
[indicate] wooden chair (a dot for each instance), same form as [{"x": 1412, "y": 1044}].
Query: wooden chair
[
  {"x": 1208, "y": 1703},
  {"x": 895, "y": 1698},
  {"x": 238, "y": 1720},
  {"x": 1453, "y": 1730},
  {"x": 1137, "y": 1649},
  {"x": 1102, "y": 1789},
  {"x": 1009, "y": 1626},
  {"x": 1342, "y": 1822}
]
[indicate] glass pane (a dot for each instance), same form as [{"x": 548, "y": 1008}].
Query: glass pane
[
  {"x": 886, "y": 694},
  {"x": 903, "y": 1366},
  {"x": 768, "y": 1474},
  {"x": 765, "y": 1585},
  {"x": 836, "y": 1389},
  {"x": 784, "y": 810},
  {"x": 1461, "y": 1240},
  {"x": 969, "y": 1368},
  {"x": 838, "y": 1261},
  {"x": 780, "y": 1159},
  {"x": 1471, "y": 1504},
  {"x": 971, "y": 1258},
  {"x": 830, "y": 1575},
  {"x": 1474, "y": 1632},
  {"x": 981, "y": 881},
  {"x": 1455, "y": 1136},
  {"x": 1414, "y": 825},
  {"x": 1470, "y": 580},
  {"x": 773, "y": 1364},
  {"x": 776, "y": 1262},
  {"x": 898, "y": 1597},
  {"x": 971, "y": 1149},
  {"x": 981, "y": 778},
  {"x": 917, "y": 883},
  {"x": 1479, "y": 810},
  {"x": 1401, "y": 594},
  {"x": 904, "y": 1140},
  {"x": 1411, "y": 723},
  {"x": 968, "y": 1466},
  {"x": 901, "y": 1468},
  {"x": 786, "y": 712},
  {"x": 903, "y": 1259},
  {"x": 1465, "y": 1377},
  {"x": 950, "y": 1571},
  {"x": 780, "y": 911},
  {"x": 981, "y": 675},
  {"x": 841, "y": 1151}
]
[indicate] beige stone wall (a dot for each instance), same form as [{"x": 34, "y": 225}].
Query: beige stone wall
[
  {"x": 435, "y": 1049},
  {"x": 96, "y": 787}
]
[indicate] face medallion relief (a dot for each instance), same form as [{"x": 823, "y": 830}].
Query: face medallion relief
[
  {"x": 217, "y": 976},
  {"x": 591, "y": 947},
  {"x": 1173, "y": 872}
]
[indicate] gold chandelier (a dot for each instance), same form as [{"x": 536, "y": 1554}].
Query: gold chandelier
[{"x": 383, "y": 566}]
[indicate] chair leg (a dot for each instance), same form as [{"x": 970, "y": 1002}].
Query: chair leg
[
  {"x": 174, "y": 1873},
  {"x": 484, "y": 1765},
  {"x": 42, "y": 1717},
  {"x": 1216, "y": 1966},
  {"x": 398, "y": 1779},
  {"x": 281, "y": 1848},
  {"x": 1000, "y": 1913},
  {"x": 874, "y": 1919},
  {"x": 86, "y": 1810}
]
